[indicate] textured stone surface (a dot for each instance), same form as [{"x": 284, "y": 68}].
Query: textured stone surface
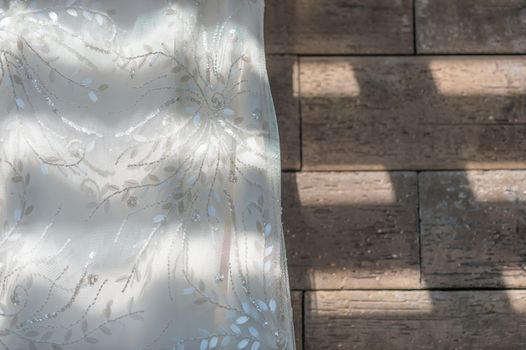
[
  {"x": 339, "y": 26},
  {"x": 375, "y": 113},
  {"x": 283, "y": 76},
  {"x": 297, "y": 308},
  {"x": 471, "y": 26},
  {"x": 423, "y": 320},
  {"x": 351, "y": 230},
  {"x": 473, "y": 228},
  {"x": 354, "y": 230}
]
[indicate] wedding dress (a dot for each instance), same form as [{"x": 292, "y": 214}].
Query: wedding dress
[{"x": 140, "y": 169}]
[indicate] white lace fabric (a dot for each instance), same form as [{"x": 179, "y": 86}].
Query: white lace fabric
[{"x": 140, "y": 170}]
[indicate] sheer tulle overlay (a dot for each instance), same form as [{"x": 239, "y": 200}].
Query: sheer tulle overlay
[{"x": 140, "y": 170}]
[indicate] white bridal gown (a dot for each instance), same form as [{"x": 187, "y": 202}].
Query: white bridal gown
[{"x": 140, "y": 178}]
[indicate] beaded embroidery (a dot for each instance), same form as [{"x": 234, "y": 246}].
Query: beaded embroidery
[{"x": 140, "y": 160}]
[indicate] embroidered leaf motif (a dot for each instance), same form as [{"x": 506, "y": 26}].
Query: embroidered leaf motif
[
  {"x": 213, "y": 342},
  {"x": 18, "y": 215},
  {"x": 19, "y": 102},
  {"x": 46, "y": 336},
  {"x": 29, "y": 210},
  {"x": 228, "y": 112},
  {"x": 159, "y": 218},
  {"x": 105, "y": 330},
  {"x": 107, "y": 310},
  {"x": 243, "y": 343},
  {"x": 53, "y": 16},
  {"x": 85, "y": 326},
  {"x": 99, "y": 19},
  {"x": 268, "y": 265},
  {"x": 200, "y": 301},
  {"x": 242, "y": 320},
  {"x": 72, "y": 12},
  {"x": 211, "y": 211},
  {"x": 5, "y": 21},
  {"x": 87, "y": 15},
  {"x": 254, "y": 332},
  {"x": 32, "y": 334},
  {"x": 93, "y": 96},
  {"x": 86, "y": 82},
  {"x": 235, "y": 328},
  {"x": 272, "y": 305},
  {"x": 196, "y": 120},
  {"x": 268, "y": 229},
  {"x": 17, "y": 179}
]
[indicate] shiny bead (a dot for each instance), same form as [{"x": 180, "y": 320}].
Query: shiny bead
[
  {"x": 219, "y": 277},
  {"x": 92, "y": 279},
  {"x": 256, "y": 114}
]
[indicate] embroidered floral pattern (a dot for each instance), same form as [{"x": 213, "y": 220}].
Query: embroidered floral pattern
[{"x": 140, "y": 161}]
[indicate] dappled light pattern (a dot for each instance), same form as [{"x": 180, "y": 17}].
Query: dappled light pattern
[{"x": 140, "y": 169}]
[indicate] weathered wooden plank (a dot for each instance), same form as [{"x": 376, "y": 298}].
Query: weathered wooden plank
[
  {"x": 374, "y": 113},
  {"x": 351, "y": 230},
  {"x": 423, "y": 320},
  {"x": 297, "y": 308},
  {"x": 471, "y": 26},
  {"x": 283, "y": 77},
  {"x": 473, "y": 228},
  {"x": 339, "y": 26}
]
